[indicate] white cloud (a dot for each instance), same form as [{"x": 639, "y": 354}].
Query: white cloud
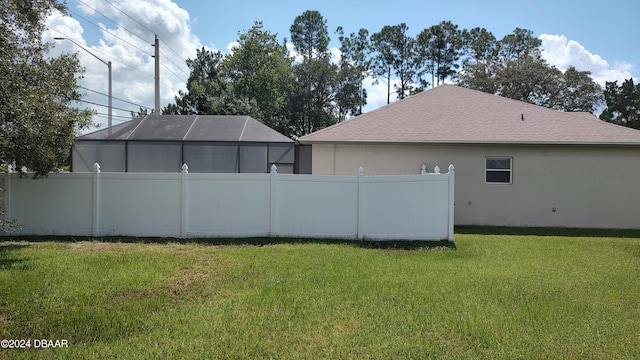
[
  {"x": 562, "y": 53},
  {"x": 377, "y": 92},
  {"x": 335, "y": 55},
  {"x": 129, "y": 48},
  {"x": 231, "y": 47}
]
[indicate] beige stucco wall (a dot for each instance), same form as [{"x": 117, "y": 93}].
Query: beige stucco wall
[{"x": 589, "y": 186}]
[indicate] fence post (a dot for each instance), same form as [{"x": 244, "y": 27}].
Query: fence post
[
  {"x": 360, "y": 220},
  {"x": 274, "y": 198},
  {"x": 7, "y": 197},
  {"x": 96, "y": 200},
  {"x": 184, "y": 205},
  {"x": 423, "y": 169},
  {"x": 452, "y": 173}
]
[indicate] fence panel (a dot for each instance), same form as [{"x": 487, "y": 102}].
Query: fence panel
[
  {"x": 317, "y": 206},
  {"x": 406, "y": 207},
  {"x": 58, "y": 205},
  {"x": 228, "y": 205},
  {"x": 139, "y": 204},
  {"x": 418, "y": 207}
]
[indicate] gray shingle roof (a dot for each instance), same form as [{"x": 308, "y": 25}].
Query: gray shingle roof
[
  {"x": 453, "y": 114},
  {"x": 190, "y": 128}
]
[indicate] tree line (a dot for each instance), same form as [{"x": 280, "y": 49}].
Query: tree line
[{"x": 302, "y": 92}]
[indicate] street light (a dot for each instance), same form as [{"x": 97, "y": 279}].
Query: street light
[{"x": 108, "y": 63}]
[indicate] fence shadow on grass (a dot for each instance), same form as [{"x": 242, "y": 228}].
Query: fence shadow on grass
[
  {"x": 8, "y": 253},
  {"x": 255, "y": 241},
  {"x": 539, "y": 231}
]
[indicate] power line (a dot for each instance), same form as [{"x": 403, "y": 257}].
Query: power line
[
  {"x": 117, "y": 60},
  {"x": 113, "y": 21},
  {"x": 130, "y": 17},
  {"x": 113, "y": 97},
  {"x": 167, "y": 58},
  {"x": 178, "y": 55},
  {"x": 148, "y": 29},
  {"x": 136, "y": 35},
  {"x": 171, "y": 71},
  {"x": 109, "y": 32},
  {"x": 106, "y": 116},
  {"x": 106, "y": 106},
  {"x": 121, "y": 120},
  {"x": 176, "y": 65},
  {"x": 73, "y": 37},
  {"x": 127, "y": 65},
  {"x": 170, "y": 48}
]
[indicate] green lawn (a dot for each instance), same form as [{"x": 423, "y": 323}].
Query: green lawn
[{"x": 514, "y": 295}]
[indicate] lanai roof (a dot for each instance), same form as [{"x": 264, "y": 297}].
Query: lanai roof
[
  {"x": 190, "y": 128},
  {"x": 453, "y": 114}
]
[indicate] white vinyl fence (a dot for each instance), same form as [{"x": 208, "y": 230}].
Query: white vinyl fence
[{"x": 406, "y": 207}]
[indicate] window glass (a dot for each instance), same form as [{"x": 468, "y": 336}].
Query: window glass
[
  {"x": 498, "y": 171},
  {"x": 498, "y": 163}
]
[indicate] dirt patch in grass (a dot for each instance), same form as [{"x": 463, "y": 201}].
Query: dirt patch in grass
[
  {"x": 193, "y": 282},
  {"x": 100, "y": 246},
  {"x": 14, "y": 243},
  {"x": 5, "y": 321}
]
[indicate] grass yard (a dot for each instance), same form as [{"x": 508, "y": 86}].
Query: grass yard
[{"x": 506, "y": 296}]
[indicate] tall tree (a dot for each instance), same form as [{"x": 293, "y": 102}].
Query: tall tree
[
  {"x": 395, "y": 53},
  {"x": 479, "y": 45},
  {"x": 38, "y": 123},
  {"x": 309, "y": 34},
  {"x": 529, "y": 79},
  {"x": 520, "y": 43},
  {"x": 312, "y": 101},
  {"x": 578, "y": 92},
  {"x": 204, "y": 80},
  {"x": 480, "y": 49},
  {"x": 623, "y": 104},
  {"x": 209, "y": 90},
  {"x": 354, "y": 65},
  {"x": 440, "y": 47},
  {"x": 260, "y": 70}
]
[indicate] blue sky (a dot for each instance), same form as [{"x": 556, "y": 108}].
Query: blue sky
[
  {"x": 598, "y": 36},
  {"x": 604, "y": 27}
]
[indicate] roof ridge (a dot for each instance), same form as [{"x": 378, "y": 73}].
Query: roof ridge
[
  {"x": 600, "y": 121},
  {"x": 534, "y": 106},
  {"x": 193, "y": 123},
  {"x": 244, "y": 127},
  {"x": 137, "y": 126},
  {"x": 381, "y": 108}
]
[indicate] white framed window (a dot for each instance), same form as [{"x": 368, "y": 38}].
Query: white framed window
[{"x": 498, "y": 170}]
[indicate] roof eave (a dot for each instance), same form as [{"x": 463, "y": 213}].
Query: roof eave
[{"x": 466, "y": 142}]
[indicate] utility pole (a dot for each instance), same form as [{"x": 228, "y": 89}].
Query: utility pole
[
  {"x": 109, "y": 122},
  {"x": 157, "y": 77},
  {"x": 108, "y": 63}
]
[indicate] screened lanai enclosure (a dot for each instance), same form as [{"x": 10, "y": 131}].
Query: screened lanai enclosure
[{"x": 206, "y": 143}]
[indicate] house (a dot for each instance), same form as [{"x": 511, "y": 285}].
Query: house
[
  {"x": 517, "y": 164},
  {"x": 206, "y": 143}
]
